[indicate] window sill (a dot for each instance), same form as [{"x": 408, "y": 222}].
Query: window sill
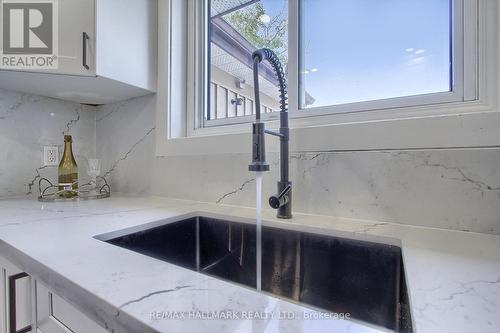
[{"x": 455, "y": 125}]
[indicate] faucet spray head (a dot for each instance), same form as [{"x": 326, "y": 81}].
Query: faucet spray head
[{"x": 258, "y": 148}]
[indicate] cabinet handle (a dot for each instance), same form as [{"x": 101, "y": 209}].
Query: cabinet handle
[
  {"x": 12, "y": 304},
  {"x": 85, "y": 39}
]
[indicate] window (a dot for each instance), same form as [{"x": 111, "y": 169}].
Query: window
[
  {"x": 361, "y": 50},
  {"x": 340, "y": 56},
  {"x": 237, "y": 29}
]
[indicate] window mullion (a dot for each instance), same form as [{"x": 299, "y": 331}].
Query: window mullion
[
  {"x": 293, "y": 55},
  {"x": 192, "y": 59},
  {"x": 470, "y": 49}
]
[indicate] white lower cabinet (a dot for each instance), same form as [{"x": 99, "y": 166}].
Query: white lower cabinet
[
  {"x": 29, "y": 304},
  {"x": 55, "y": 315},
  {"x": 16, "y": 310}
]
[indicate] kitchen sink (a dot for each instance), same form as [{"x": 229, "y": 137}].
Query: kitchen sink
[{"x": 331, "y": 273}]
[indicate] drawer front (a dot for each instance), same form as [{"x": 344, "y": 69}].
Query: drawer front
[{"x": 55, "y": 315}]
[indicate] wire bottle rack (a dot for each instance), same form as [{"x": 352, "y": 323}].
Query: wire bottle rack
[{"x": 98, "y": 189}]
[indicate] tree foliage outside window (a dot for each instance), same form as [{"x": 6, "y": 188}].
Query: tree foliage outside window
[{"x": 273, "y": 35}]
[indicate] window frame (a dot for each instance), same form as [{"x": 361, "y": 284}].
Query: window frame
[
  {"x": 464, "y": 32},
  {"x": 448, "y": 125}
]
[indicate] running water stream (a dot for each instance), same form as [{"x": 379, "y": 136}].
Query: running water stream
[{"x": 258, "y": 182}]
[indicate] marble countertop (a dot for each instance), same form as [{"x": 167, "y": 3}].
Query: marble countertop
[{"x": 453, "y": 277}]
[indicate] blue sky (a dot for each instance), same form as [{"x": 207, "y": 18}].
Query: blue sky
[{"x": 364, "y": 49}]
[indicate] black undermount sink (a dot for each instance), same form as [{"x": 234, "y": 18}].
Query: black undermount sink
[{"x": 342, "y": 275}]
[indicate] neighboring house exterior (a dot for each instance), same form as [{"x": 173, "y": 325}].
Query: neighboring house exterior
[{"x": 231, "y": 75}]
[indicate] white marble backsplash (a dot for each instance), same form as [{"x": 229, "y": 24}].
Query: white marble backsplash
[
  {"x": 126, "y": 144},
  {"x": 27, "y": 123},
  {"x": 445, "y": 188}
]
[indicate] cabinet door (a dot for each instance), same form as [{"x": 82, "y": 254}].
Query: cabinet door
[
  {"x": 15, "y": 294},
  {"x": 55, "y": 315},
  {"x": 76, "y": 50}
]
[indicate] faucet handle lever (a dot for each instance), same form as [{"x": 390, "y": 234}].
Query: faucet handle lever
[
  {"x": 279, "y": 200},
  {"x": 274, "y": 133}
]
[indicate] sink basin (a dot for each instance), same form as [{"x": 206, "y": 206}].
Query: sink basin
[{"x": 335, "y": 274}]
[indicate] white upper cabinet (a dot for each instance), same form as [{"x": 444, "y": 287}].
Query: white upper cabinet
[
  {"x": 77, "y": 37},
  {"x": 106, "y": 52}
]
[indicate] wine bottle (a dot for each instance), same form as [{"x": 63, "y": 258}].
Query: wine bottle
[{"x": 68, "y": 170}]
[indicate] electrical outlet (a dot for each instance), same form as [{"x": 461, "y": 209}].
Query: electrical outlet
[{"x": 50, "y": 156}]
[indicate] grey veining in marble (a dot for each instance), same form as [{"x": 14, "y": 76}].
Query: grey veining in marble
[
  {"x": 29, "y": 122},
  {"x": 125, "y": 142},
  {"x": 445, "y": 188}
]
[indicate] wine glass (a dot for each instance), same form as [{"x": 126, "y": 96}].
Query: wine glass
[{"x": 94, "y": 169}]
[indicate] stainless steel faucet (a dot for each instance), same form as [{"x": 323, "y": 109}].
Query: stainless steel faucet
[{"x": 282, "y": 200}]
